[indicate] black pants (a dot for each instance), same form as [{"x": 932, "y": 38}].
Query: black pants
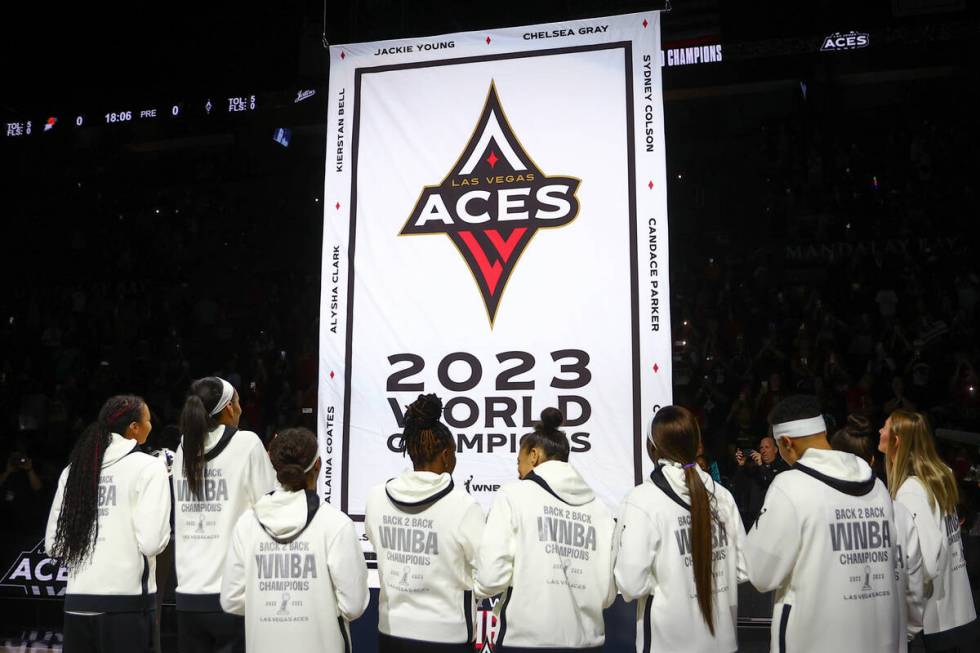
[
  {"x": 110, "y": 632},
  {"x": 165, "y": 581},
  {"x": 522, "y": 649},
  {"x": 389, "y": 644},
  {"x": 961, "y": 639},
  {"x": 210, "y": 632}
]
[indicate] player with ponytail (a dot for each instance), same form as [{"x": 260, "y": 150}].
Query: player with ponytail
[
  {"x": 547, "y": 547},
  {"x": 680, "y": 538},
  {"x": 109, "y": 520},
  {"x": 295, "y": 568},
  {"x": 219, "y": 472}
]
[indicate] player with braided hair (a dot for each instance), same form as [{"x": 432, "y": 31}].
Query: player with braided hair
[
  {"x": 425, "y": 438},
  {"x": 426, "y": 533},
  {"x": 109, "y": 520}
]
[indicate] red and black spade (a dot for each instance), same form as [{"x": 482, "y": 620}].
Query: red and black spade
[{"x": 492, "y": 202}]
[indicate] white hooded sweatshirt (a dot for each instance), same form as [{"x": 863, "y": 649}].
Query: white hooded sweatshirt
[
  {"x": 237, "y": 472},
  {"x": 134, "y": 527},
  {"x": 426, "y": 533},
  {"x": 908, "y": 576},
  {"x": 654, "y": 564},
  {"x": 949, "y": 617},
  {"x": 296, "y": 570},
  {"x": 826, "y": 541},
  {"x": 548, "y": 545}
]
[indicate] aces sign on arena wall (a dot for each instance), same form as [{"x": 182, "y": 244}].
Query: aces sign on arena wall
[{"x": 495, "y": 232}]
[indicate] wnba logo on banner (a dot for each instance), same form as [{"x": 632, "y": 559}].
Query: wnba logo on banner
[
  {"x": 479, "y": 486},
  {"x": 492, "y": 203}
]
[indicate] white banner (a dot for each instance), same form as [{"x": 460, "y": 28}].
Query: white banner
[{"x": 495, "y": 232}]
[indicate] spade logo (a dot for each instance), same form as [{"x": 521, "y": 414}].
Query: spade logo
[{"x": 492, "y": 202}]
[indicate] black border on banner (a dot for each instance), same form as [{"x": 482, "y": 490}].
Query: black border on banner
[{"x": 627, "y": 47}]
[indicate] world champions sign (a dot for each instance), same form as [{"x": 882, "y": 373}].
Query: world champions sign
[{"x": 495, "y": 232}]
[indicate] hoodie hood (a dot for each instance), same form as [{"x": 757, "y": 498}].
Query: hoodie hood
[
  {"x": 417, "y": 489},
  {"x": 283, "y": 514},
  {"x": 213, "y": 437},
  {"x": 842, "y": 471},
  {"x": 561, "y": 480},
  {"x": 119, "y": 447},
  {"x": 674, "y": 474}
]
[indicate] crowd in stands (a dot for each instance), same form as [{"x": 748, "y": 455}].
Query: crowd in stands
[{"x": 861, "y": 288}]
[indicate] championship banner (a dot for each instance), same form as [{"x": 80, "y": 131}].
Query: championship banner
[{"x": 495, "y": 232}]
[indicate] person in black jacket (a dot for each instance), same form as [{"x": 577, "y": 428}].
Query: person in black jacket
[{"x": 755, "y": 472}]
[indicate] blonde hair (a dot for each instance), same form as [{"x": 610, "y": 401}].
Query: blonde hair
[{"x": 915, "y": 455}]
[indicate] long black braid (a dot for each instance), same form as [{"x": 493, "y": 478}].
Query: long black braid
[
  {"x": 78, "y": 523},
  {"x": 425, "y": 436}
]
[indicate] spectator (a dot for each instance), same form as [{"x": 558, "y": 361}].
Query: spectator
[
  {"x": 739, "y": 419},
  {"x": 887, "y": 300},
  {"x": 754, "y": 473},
  {"x": 770, "y": 392},
  {"x": 21, "y": 491},
  {"x": 898, "y": 401}
]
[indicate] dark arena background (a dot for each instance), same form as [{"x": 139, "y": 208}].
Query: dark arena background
[{"x": 163, "y": 179}]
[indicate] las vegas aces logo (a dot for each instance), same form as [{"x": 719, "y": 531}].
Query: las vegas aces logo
[{"x": 492, "y": 202}]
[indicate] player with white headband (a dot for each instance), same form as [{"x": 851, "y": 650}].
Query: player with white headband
[
  {"x": 218, "y": 473},
  {"x": 825, "y": 541}
]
